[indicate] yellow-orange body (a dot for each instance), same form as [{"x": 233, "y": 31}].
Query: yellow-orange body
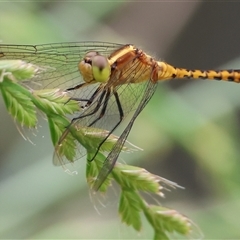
[{"x": 132, "y": 65}]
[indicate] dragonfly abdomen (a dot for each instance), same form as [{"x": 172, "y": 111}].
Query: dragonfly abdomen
[
  {"x": 169, "y": 72},
  {"x": 225, "y": 75}
]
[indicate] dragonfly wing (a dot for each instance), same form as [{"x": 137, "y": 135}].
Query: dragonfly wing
[
  {"x": 113, "y": 155},
  {"x": 58, "y": 65},
  {"x": 68, "y": 149},
  {"x": 58, "y": 62},
  {"x": 132, "y": 98},
  {"x": 129, "y": 94}
]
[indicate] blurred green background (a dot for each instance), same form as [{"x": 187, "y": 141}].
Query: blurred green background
[{"x": 189, "y": 131}]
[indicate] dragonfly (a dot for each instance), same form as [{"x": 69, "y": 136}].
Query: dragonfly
[{"x": 110, "y": 80}]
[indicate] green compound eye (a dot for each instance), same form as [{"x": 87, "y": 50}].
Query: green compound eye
[{"x": 100, "y": 68}]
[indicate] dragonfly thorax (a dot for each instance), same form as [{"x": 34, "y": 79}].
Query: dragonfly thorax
[{"x": 94, "y": 68}]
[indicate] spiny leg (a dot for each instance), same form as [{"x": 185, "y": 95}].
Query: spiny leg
[
  {"x": 121, "y": 114},
  {"x": 76, "y": 87},
  {"x": 105, "y": 103},
  {"x": 89, "y": 102},
  {"x": 113, "y": 155},
  {"x": 82, "y": 116},
  {"x": 95, "y": 109}
]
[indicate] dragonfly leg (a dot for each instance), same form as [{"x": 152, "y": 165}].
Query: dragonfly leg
[
  {"x": 102, "y": 113},
  {"x": 76, "y": 87},
  {"x": 121, "y": 114},
  {"x": 94, "y": 110},
  {"x": 89, "y": 101}
]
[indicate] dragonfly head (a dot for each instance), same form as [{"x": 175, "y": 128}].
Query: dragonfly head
[{"x": 95, "y": 68}]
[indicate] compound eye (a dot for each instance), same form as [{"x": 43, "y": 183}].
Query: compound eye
[
  {"x": 91, "y": 54},
  {"x": 101, "y": 68},
  {"x": 88, "y": 57},
  {"x": 88, "y": 61}
]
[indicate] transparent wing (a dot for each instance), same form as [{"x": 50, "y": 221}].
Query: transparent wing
[
  {"x": 131, "y": 96},
  {"x": 59, "y": 69},
  {"x": 58, "y": 61},
  {"x": 113, "y": 155}
]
